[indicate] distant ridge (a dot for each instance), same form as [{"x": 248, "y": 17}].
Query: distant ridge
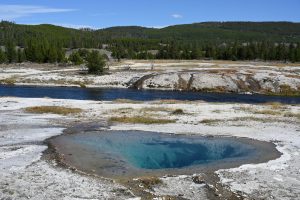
[{"x": 205, "y": 32}]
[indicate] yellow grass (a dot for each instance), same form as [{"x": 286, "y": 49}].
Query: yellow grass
[
  {"x": 149, "y": 182},
  {"x": 267, "y": 112},
  {"x": 127, "y": 101},
  {"x": 275, "y": 105},
  {"x": 8, "y": 81},
  {"x": 53, "y": 109},
  {"x": 209, "y": 121},
  {"x": 294, "y": 115},
  {"x": 141, "y": 120}
]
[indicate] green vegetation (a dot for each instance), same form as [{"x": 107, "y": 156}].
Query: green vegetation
[
  {"x": 178, "y": 112},
  {"x": 3, "y": 58},
  {"x": 211, "y": 40},
  {"x": 141, "y": 120},
  {"x": 95, "y": 63},
  {"x": 44, "y": 51},
  {"x": 75, "y": 58},
  {"x": 53, "y": 109},
  {"x": 11, "y": 53}
]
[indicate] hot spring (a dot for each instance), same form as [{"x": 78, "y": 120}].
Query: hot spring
[{"x": 132, "y": 153}]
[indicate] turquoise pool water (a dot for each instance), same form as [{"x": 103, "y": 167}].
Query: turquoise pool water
[{"x": 145, "y": 150}]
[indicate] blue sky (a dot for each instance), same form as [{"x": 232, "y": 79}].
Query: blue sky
[{"x": 150, "y": 13}]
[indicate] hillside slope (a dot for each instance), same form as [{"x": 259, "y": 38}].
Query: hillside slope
[{"x": 212, "y": 32}]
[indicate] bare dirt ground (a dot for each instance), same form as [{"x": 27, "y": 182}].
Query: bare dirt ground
[{"x": 23, "y": 174}]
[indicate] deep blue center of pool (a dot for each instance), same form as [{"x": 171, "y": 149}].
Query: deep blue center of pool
[{"x": 161, "y": 151}]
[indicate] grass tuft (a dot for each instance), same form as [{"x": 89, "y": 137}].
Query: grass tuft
[
  {"x": 293, "y": 115},
  {"x": 141, "y": 120},
  {"x": 53, "y": 109},
  {"x": 149, "y": 182},
  {"x": 178, "y": 112},
  {"x": 127, "y": 101},
  {"x": 209, "y": 121},
  {"x": 155, "y": 109},
  {"x": 267, "y": 112},
  {"x": 250, "y": 118},
  {"x": 275, "y": 105},
  {"x": 173, "y": 101},
  {"x": 8, "y": 81}
]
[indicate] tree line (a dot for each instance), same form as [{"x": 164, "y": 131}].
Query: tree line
[
  {"x": 52, "y": 52},
  {"x": 34, "y": 51},
  {"x": 236, "y": 51},
  {"x": 46, "y": 52}
]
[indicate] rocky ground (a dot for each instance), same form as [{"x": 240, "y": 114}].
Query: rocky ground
[
  {"x": 23, "y": 174},
  {"x": 212, "y": 76}
]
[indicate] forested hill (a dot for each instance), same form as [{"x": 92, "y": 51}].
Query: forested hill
[
  {"x": 213, "y": 40},
  {"x": 200, "y": 33},
  {"x": 214, "y": 32}
]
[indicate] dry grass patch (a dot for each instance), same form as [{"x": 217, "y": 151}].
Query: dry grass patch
[
  {"x": 122, "y": 110},
  {"x": 210, "y": 121},
  {"x": 272, "y": 109},
  {"x": 267, "y": 112},
  {"x": 293, "y": 115},
  {"x": 178, "y": 112},
  {"x": 141, "y": 120},
  {"x": 286, "y": 90},
  {"x": 174, "y": 101},
  {"x": 127, "y": 101},
  {"x": 245, "y": 109},
  {"x": 156, "y": 109},
  {"x": 80, "y": 84},
  {"x": 256, "y": 119},
  {"x": 149, "y": 182},
  {"x": 217, "y": 111},
  {"x": 275, "y": 105},
  {"x": 8, "y": 81},
  {"x": 53, "y": 109}
]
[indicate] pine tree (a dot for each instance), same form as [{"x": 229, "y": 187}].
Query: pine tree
[
  {"x": 95, "y": 63},
  {"x": 195, "y": 53},
  {"x": 297, "y": 53},
  {"x": 3, "y": 58},
  {"x": 21, "y": 56},
  {"x": 52, "y": 54},
  {"x": 11, "y": 53},
  {"x": 75, "y": 58}
]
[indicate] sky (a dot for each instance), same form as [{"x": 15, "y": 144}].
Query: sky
[{"x": 149, "y": 13}]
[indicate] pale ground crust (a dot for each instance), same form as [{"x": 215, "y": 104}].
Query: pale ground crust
[
  {"x": 24, "y": 175},
  {"x": 212, "y": 76}
]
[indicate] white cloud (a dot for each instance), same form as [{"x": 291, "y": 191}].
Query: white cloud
[
  {"x": 158, "y": 27},
  {"x": 10, "y": 12},
  {"x": 67, "y": 25},
  {"x": 177, "y": 16},
  {"x": 75, "y": 26}
]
